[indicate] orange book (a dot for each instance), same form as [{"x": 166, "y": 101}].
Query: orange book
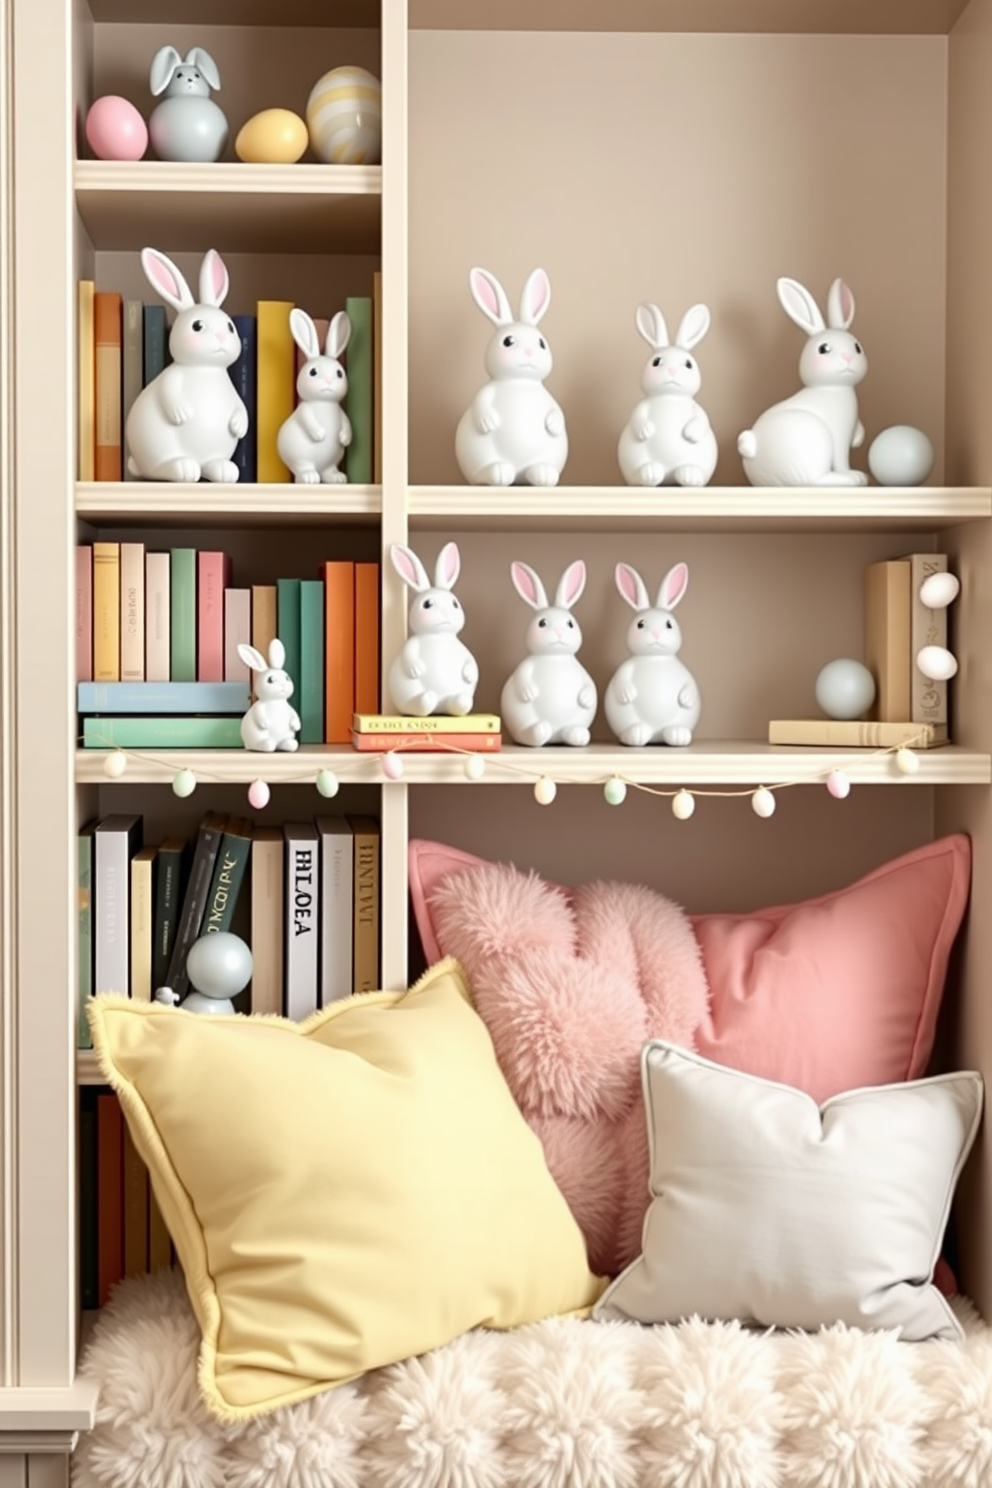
[
  {"x": 263, "y": 622},
  {"x": 366, "y": 637},
  {"x": 377, "y": 378},
  {"x": 108, "y": 312},
  {"x": 86, "y": 373},
  {"x": 109, "y": 1193},
  {"x": 339, "y": 650},
  {"x": 275, "y": 379}
]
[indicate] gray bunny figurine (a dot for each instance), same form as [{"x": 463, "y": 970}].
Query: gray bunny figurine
[{"x": 187, "y": 124}]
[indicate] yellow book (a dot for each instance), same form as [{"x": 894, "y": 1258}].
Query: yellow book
[
  {"x": 437, "y": 723},
  {"x": 106, "y": 612},
  {"x": 275, "y": 383},
  {"x": 365, "y": 941},
  {"x": 86, "y": 381},
  {"x": 855, "y": 733},
  {"x": 142, "y": 916}
]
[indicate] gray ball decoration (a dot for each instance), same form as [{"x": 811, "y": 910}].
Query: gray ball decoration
[
  {"x": 187, "y": 125},
  {"x": 219, "y": 966}
]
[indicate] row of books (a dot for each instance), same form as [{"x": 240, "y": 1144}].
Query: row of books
[
  {"x": 157, "y": 636},
  {"x": 124, "y": 344},
  {"x": 304, "y": 896}
]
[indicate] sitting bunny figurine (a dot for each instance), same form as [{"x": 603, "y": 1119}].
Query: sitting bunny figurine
[
  {"x": 669, "y": 440},
  {"x": 270, "y": 722},
  {"x": 513, "y": 432},
  {"x": 186, "y": 423},
  {"x": 550, "y": 698},
  {"x": 806, "y": 440},
  {"x": 314, "y": 437},
  {"x": 651, "y": 697},
  {"x": 187, "y": 124},
  {"x": 433, "y": 672}
]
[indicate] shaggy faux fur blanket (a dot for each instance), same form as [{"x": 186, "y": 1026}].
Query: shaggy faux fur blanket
[{"x": 557, "y": 1404}]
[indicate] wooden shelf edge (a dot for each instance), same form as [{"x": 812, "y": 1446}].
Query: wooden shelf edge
[
  {"x": 224, "y": 177},
  {"x": 171, "y": 501}
]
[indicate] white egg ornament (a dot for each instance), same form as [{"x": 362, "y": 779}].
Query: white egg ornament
[
  {"x": 900, "y": 456},
  {"x": 939, "y": 590},
  {"x": 845, "y": 688}
]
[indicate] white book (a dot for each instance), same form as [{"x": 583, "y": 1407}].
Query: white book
[
  {"x": 132, "y": 612},
  {"x": 116, "y": 839},
  {"x": 337, "y": 877},
  {"x": 237, "y": 630},
  {"x": 157, "y": 581},
  {"x": 302, "y": 919}
]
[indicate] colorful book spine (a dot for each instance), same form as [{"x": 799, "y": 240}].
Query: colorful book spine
[
  {"x": 275, "y": 382},
  {"x": 132, "y": 364},
  {"x": 237, "y": 632},
  {"x": 156, "y": 343},
  {"x": 182, "y": 614},
  {"x": 110, "y": 1194},
  {"x": 208, "y": 839},
  {"x": 365, "y": 908},
  {"x": 377, "y": 377},
  {"x": 86, "y": 380},
  {"x": 228, "y": 876},
  {"x": 106, "y": 611},
  {"x": 167, "y": 731},
  {"x": 358, "y": 400},
  {"x": 158, "y": 582},
  {"x": 108, "y": 330},
  {"x": 288, "y": 629},
  {"x": 309, "y": 696},
  {"x": 136, "y": 1191},
  {"x": 244, "y": 376},
  {"x": 268, "y": 887},
  {"x": 162, "y": 697},
  {"x": 142, "y": 922},
  {"x": 116, "y": 840},
  {"x": 132, "y": 612},
  {"x": 339, "y": 650},
  {"x": 927, "y": 627},
  {"x": 84, "y": 612},
  {"x": 366, "y": 637},
  {"x": 426, "y": 743},
  {"x": 89, "y": 1291},
  {"x": 170, "y": 888},
  {"x": 393, "y": 723},
  {"x": 263, "y": 622},
  {"x": 337, "y": 876},
  {"x": 302, "y": 919},
  {"x": 213, "y": 577},
  {"x": 84, "y": 930}
]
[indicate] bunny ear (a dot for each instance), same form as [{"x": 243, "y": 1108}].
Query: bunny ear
[
  {"x": 197, "y": 57},
  {"x": 528, "y": 585},
  {"x": 631, "y": 587},
  {"x": 571, "y": 585},
  {"x": 304, "y": 333},
  {"x": 487, "y": 292},
  {"x": 800, "y": 306},
  {"x": 536, "y": 297},
  {"x": 840, "y": 306},
  {"x": 673, "y": 586},
  {"x": 164, "y": 64},
  {"x": 214, "y": 281},
  {"x": 277, "y": 653},
  {"x": 695, "y": 323},
  {"x": 163, "y": 275},
  {"x": 448, "y": 567},
  {"x": 251, "y": 658},
  {"x": 409, "y": 567},
  {"x": 338, "y": 334},
  {"x": 651, "y": 324}
]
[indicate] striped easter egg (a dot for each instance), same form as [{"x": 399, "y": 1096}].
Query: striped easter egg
[{"x": 344, "y": 117}]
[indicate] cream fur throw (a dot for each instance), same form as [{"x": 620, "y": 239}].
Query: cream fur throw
[{"x": 557, "y": 1404}]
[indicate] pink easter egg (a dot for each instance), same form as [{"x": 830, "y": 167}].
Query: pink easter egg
[
  {"x": 258, "y": 794},
  {"x": 115, "y": 130},
  {"x": 392, "y": 766}
]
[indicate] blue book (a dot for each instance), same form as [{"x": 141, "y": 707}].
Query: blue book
[
  {"x": 288, "y": 630},
  {"x": 309, "y": 695},
  {"x": 155, "y": 343},
  {"x": 243, "y": 375},
  {"x": 163, "y": 697}
]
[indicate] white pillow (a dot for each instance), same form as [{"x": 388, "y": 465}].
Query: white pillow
[{"x": 770, "y": 1209}]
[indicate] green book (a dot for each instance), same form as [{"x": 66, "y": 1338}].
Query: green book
[
  {"x": 89, "y": 1289},
  {"x": 288, "y": 629},
  {"x": 309, "y": 697},
  {"x": 171, "y": 732},
  {"x": 182, "y": 615},
  {"x": 84, "y": 902},
  {"x": 228, "y": 875},
  {"x": 358, "y": 400}
]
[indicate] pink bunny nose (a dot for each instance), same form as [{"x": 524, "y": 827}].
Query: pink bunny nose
[{"x": 848, "y": 356}]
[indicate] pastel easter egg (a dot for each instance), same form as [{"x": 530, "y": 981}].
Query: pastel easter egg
[
  {"x": 276, "y": 136},
  {"x": 344, "y": 117},
  {"x": 900, "y": 456},
  {"x": 115, "y": 130}
]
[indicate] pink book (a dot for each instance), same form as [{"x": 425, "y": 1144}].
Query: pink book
[
  {"x": 84, "y": 613},
  {"x": 237, "y": 630},
  {"x": 157, "y": 596},
  {"x": 213, "y": 577},
  {"x": 132, "y": 612}
]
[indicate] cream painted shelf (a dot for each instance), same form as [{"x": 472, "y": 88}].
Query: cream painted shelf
[
  {"x": 342, "y": 13},
  {"x": 864, "y": 17},
  {"x": 678, "y": 509},
  {"x": 168, "y": 504},
  {"x": 250, "y": 208}
]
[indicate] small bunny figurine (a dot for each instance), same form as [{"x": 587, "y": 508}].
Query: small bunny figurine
[
  {"x": 187, "y": 124},
  {"x": 550, "y": 698},
  {"x": 270, "y": 722},
  {"x": 651, "y": 697},
  {"x": 433, "y": 672},
  {"x": 806, "y": 440},
  {"x": 314, "y": 437},
  {"x": 513, "y": 432},
  {"x": 669, "y": 440},
  {"x": 186, "y": 423}
]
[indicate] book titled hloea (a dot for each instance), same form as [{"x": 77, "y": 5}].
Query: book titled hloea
[{"x": 302, "y": 918}]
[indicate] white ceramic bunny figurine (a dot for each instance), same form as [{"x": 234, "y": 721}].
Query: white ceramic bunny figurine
[
  {"x": 550, "y": 698},
  {"x": 186, "y": 423},
  {"x": 669, "y": 440},
  {"x": 807, "y": 439},
  {"x": 513, "y": 432},
  {"x": 270, "y": 722},
  {"x": 316, "y": 434},
  {"x": 433, "y": 672},
  {"x": 651, "y": 697}
]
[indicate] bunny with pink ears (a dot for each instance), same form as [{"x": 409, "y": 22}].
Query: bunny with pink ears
[
  {"x": 513, "y": 432},
  {"x": 186, "y": 423},
  {"x": 550, "y": 698},
  {"x": 651, "y": 697},
  {"x": 316, "y": 434},
  {"x": 669, "y": 439},
  {"x": 433, "y": 672}
]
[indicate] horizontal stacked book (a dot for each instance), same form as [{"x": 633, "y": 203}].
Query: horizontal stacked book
[{"x": 478, "y": 733}]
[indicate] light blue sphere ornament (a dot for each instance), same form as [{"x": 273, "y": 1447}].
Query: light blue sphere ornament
[
  {"x": 845, "y": 688},
  {"x": 327, "y": 783},
  {"x": 219, "y": 966},
  {"x": 614, "y": 791},
  {"x": 184, "y": 783}
]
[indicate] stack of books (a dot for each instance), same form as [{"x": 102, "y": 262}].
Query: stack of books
[{"x": 380, "y": 732}]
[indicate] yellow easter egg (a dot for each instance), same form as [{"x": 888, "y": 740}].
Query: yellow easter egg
[
  {"x": 344, "y": 117},
  {"x": 276, "y": 136}
]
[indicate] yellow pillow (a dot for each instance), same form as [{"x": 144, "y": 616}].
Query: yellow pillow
[{"x": 342, "y": 1192}]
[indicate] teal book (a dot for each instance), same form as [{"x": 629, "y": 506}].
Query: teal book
[
  {"x": 172, "y": 731},
  {"x": 84, "y": 907},
  {"x": 288, "y": 629},
  {"x": 228, "y": 875},
  {"x": 309, "y": 696},
  {"x": 89, "y": 1291},
  {"x": 358, "y": 400},
  {"x": 182, "y": 615}
]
